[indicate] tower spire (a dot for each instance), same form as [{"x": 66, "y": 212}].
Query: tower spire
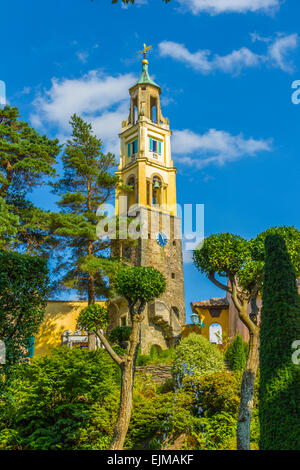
[
  {"x": 144, "y": 51},
  {"x": 145, "y": 77}
]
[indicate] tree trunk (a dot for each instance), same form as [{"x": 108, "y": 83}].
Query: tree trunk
[
  {"x": 247, "y": 393},
  {"x": 128, "y": 369},
  {"x": 91, "y": 300},
  {"x": 91, "y": 279}
]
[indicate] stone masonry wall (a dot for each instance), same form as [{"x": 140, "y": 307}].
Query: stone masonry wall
[{"x": 160, "y": 373}]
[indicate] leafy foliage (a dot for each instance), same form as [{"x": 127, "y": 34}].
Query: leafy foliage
[
  {"x": 222, "y": 254},
  {"x": 196, "y": 356},
  {"x": 139, "y": 283},
  {"x": 236, "y": 354},
  {"x": 69, "y": 401},
  {"x": 63, "y": 401},
  {"x": 93, "y": 317},
  {"x": 156, "y": 356},
  {"x": 279, "y": 407},
  {"x": 24, "y": 288},
  {"x": 26, "y": 159},
  {"x": 119, "y": 334},
  {"x": 9, "y": 224},
  {"x": 25, "y": 154}
]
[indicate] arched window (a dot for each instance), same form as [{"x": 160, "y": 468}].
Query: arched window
[
  {"x": 156, "y": 191},
  {"x": 131, "y": 194},
  {"x": 153, "y": 109},
  {"x": 215, "y": 333}
]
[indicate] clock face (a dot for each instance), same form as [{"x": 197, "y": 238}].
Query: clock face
[{"x": 162, "y": 239}]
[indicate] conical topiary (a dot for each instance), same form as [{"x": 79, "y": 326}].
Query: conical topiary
[
  {"x": 235, "y": 355},
  {"x": 279, "y": 392}
]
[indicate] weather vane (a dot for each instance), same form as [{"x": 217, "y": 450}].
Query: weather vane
[{"x": 144, "y": 51}]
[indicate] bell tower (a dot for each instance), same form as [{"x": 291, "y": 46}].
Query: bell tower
[{"x": 147, "y": 168}]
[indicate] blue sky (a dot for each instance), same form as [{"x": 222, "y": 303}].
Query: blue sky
[{"x": 225, "y": 67}]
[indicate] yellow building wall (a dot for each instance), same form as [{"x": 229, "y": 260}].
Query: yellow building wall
[
  {"x": 223, "y": 320},
  {"x": 59, "y": 317}
]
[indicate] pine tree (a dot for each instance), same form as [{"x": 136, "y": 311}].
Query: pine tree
[
  {"x": 26, "y": 159},
  {"x": 279, "y": 393},
  {"x": 87, "y": 182}
]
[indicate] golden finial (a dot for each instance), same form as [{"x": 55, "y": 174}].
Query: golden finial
[{"x": 144, "y": 51}]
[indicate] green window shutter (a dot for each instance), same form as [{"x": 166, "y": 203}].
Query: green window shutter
[
  {"x": 135, "y": 146},
  {"x": 129, "y": 150},
  {"x": 159, "y": 147},
  {"x": 30, "y": 342},
  {"x": 151, "y": 144}
]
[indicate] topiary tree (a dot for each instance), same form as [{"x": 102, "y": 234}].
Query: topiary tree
[
  {"x": 24, "y": 288},
  {"x": 235, "y": 354},
  {"x": 196, "y": 356},
  {"x": 241, "y": 263},
  {"x": 279, "y": 391},
  {"x": 138, "y": 285}
]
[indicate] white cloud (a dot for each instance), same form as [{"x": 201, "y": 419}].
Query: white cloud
[
  {"x": 215, "y": 7},
  {"x": 214, "y": 147},
  {"x": 205, "y": 62},
  {"x": 100, "y": 99},
  {"x": 82, "y": 56},
  {"x": 279, "y": 50}
]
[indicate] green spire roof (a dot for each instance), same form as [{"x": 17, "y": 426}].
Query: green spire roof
[{"x": 145, "y": 77}]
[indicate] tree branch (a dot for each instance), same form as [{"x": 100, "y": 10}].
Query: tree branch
[
  {"x": 211, "y": 277},
  {"x": 109, "y": 349},
  {"x": 241, "y": 306}
]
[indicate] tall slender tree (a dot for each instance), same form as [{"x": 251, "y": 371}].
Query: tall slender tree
[
  {"x": 279, "y": 391},
  {"x": 87, "y": 182}
]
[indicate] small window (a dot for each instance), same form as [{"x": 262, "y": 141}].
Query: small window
[
  {"x": 132, "y": 148},
  {"x": 174, "y": 242},
  {"x": 173, "y": 275},
  {"x": 155, "y": 146},
  {"x": 123, "y": 321}
]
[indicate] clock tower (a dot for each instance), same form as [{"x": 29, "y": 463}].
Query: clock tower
[{"x": 146, "y": 167}]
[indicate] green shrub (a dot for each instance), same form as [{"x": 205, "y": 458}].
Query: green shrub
[
  {"x": 156, "y": 356},
  {"x": 216, "y": 393},
  {"x": 197, "y": 357},
  {"x": 67, "y": 400},
  {"x": 119, "y": 334},
  {"x": 236, "y": 354},
  {"x": 24, "y": 288}
]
